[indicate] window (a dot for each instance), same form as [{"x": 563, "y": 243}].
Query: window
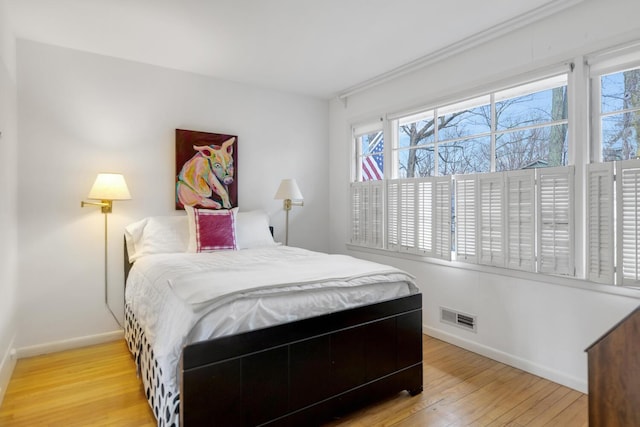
[
  {"x": 531, "y": 125},
  {"x": 619, "y": 114},
  {"x": 415, "y": 148},
  {"x": 466, "y": 180},
  {"x": 450, "y": 140},
  {"x": 369, "y": 144},
  {"x": 613, "y": 179},
  {"x": 487, "y": 180},
  {"x": 518, "y": 128},
  {"x": 367, "y": 190},
  {"x": 491, "y": 146}
]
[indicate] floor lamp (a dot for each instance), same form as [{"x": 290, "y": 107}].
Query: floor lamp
[
  {"x": 290, "y": 193},
  {"x": 107, "y": 188}
]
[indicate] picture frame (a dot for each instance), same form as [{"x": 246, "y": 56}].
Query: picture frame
[{"x": 206, "y": 170}]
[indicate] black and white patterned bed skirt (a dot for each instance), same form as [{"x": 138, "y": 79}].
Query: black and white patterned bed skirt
[{"x": 165, "y": 404}]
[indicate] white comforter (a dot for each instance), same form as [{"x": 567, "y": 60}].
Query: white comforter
[{"x": 184, "y": 298}]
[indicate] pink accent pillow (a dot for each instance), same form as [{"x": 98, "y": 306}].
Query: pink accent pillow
[{"x": 212, "y": 230}]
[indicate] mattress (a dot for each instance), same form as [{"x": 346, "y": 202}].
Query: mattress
[{"x": 173, "y": 300}]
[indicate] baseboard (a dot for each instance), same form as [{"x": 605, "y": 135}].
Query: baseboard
[
  {"x": 578, "y": 384},
  {"x": 52, "y": 347},
  {"x": 7, "y": 364}
]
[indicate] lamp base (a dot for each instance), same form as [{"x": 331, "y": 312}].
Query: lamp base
[{"x": 287, "y": 204}]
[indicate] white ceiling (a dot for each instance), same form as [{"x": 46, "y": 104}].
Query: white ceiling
[{"x": 319, "y": 48}]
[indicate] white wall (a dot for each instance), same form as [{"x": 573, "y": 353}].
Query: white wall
[
  {"x": 8, "y": 185},
  {"x": 536, "y": 325},
  {"x": 80, "y": 114}
]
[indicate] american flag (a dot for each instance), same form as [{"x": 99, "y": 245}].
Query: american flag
[{"x": 372, "y": 165}]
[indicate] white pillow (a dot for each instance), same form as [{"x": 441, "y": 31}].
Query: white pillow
[
  {"x": 170, "y": 234},
  {"x": 252, "y": 230},
  {"x": 157, "y": 235}
]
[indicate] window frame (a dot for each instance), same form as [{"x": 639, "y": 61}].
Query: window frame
[
  {"x": 357, "y": 132},
  {"x": 604, "y": 178},
  {"x": 537, "y": 82},
  {"x": 602, "y": 64},
  {"x": 584, "y": 149}
]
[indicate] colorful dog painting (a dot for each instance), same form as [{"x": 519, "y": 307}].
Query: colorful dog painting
[{"x": 207, "y": 176}]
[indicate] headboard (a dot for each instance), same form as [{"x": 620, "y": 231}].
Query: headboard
[{"x": 127, "y": 263}]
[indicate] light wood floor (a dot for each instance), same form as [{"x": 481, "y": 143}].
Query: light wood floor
[{"x": 98, "y": 386}]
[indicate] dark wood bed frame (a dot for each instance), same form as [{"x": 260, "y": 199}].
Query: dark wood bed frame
[{"x": 305, "y": 372}]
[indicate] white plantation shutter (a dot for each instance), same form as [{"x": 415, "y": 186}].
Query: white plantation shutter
[
  {"x": 442, "y": 213},
  {"x": 393, "y": 190},
  {"x": 628, "y": 227},
  {"x": 555, "y": 220},
  {"x": 366, "y": 213},
  {"x": 376, "y": 214},
  {"x": 520, "y": 219},
  {"x": 407, "y": 215},
  {"x": 419, "y": 216},
  {"x": 356, "y": 213},
  {"x": 424, "y": 216},
  {"x": 600, "y": 225},
  {"x": 490, "y": 219},
  {"x": 465, "y": 214}
]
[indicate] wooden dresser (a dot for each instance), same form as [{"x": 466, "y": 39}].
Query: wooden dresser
[{"x": 614, "y": 375}]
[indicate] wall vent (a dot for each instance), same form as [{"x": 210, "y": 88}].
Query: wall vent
[{"x": 455, "y": 318}]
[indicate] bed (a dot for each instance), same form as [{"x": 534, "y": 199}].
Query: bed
[{"x": 264, "y": 334}]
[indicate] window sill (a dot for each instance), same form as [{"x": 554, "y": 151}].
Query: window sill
[{"x": 571, "y": 282}]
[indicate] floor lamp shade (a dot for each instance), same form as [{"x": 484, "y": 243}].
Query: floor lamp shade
[
  {"x": 288, "y": 189},
  {"x": 109, "y": 186}
]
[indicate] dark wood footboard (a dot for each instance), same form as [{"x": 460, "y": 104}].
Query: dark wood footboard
[{"x": 304, "y": 372}]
